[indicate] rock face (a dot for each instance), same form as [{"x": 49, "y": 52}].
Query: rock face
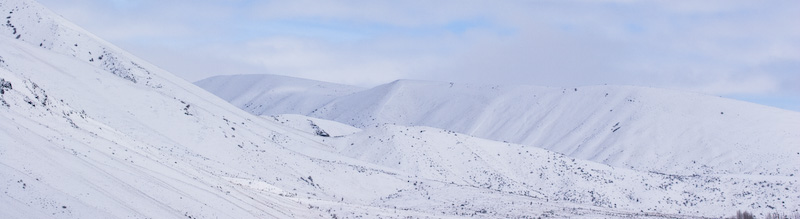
[{"x": 89, "y": 131}]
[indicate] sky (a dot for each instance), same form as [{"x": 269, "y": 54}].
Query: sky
[{"x": 746, "y": 50}]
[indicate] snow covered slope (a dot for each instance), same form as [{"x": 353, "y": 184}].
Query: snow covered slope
[
  {"x": 114, "y": 137},
  {"x": 320, "y": 127},
  {"x": 283, "y": 94},
  {"x": 635, "y": 127},
  {"x": 118, "y": 138},
  {"x": 469, "y": 162},
  {"x": 85, "y": 136}
]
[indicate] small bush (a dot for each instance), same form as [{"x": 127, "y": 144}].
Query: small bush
[
  {"x": 748, "y": 215},
  {"x": 744, "y": 215},
  {"x": 5, "y": 86},
  {"x": 782, "y": 216}
]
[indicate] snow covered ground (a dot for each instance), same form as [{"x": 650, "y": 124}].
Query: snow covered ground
[{"x": 90, "y": 131}]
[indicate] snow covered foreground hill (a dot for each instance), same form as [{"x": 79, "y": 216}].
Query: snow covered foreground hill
[
  {"x": 629, "y": 127},
  {"x": 90, "y": 131}
]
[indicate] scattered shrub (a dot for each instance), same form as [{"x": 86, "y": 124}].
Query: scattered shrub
[
  {"x": 744, "y": 215},
  {"x": 782, "y": 216},
  {"x": 4, "y": 86},
  {"x": 776, "y": 215}
]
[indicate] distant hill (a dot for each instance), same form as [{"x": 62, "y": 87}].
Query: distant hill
[
  {"x": 284, "y": 94},
  {"x": 643, "y": 128}
]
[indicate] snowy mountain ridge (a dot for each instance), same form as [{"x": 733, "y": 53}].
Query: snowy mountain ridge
[
  {"x": 285, "y": 94},
  {"x": 624, "y": 126}
]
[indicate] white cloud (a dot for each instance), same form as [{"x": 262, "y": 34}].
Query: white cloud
[
  {"x": 751, "y": 85},
  {"x": 716, "y": 47}
]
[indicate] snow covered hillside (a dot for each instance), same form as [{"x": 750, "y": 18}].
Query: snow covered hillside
[
  {"x": 284, "y": 94},
  {"x": 112, "y": 136},
  {"x": 469, "y": 162},
  {"x": 623, "y": 126},
  {"x": 90, "y": 131}
]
